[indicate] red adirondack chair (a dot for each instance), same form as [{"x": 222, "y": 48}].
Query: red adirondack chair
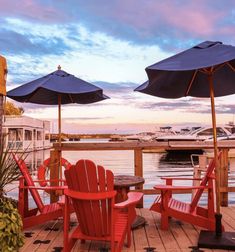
[
  {"x": 91, "y": 189},
  {"x": 42, "y": 213},
  {"x": 192, "y": 213}
]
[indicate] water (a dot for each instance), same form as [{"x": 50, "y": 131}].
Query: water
[{"x": 155, "y": 166}]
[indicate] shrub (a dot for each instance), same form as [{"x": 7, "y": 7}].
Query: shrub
[{"x": 11, "y": 236}]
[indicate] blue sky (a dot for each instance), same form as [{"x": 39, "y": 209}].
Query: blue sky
[{"x": 110, "y": 43}]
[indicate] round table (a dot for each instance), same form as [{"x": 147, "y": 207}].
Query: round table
[{"x": 122, "y": 184}]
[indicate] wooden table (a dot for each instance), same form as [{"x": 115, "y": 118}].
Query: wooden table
[{"x": 122, "y": 184}]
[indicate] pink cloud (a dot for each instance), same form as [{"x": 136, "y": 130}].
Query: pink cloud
[
  {"x": 193, "y": 16},
  {"x": 198, "y": 17},
  {"x": 31, "y": 9}
]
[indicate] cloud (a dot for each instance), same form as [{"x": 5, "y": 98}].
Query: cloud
[
  {"x": 170, "y": 24},
  {"x": 15, "y": 43},
  {"x": 33, "y": 10},
  {"x": 191, "y": 105}
]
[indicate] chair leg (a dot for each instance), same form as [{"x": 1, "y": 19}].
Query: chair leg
[
  {"x": 112, "y": 247},
  {"x": 164, "y": 221},
  {"x": 129, "y": 237},
  {"x": 66, "y": 225}
]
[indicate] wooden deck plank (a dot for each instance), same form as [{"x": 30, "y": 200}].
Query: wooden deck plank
[
  {"x": 39, "y": 234},
  {"x": 166, "y": 236},
  {"x": 33, "y": 232},
  {"x": 191, "y": 233},
  {"x": 51, "y": 235},
  {"x": 58, "y": 241},
  {"x": 180, "y": 236},
  {"x": 139, "y": 236},
  {"x": 178, "y": 232},
  {"x": 151, "y": 230}
]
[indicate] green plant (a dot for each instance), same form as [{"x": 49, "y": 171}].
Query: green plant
[
  {"x": 9, "y": 171},
  {"x": 11, "y": 236}
]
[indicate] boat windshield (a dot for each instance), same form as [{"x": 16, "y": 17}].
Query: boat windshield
[{"x": 194, "y": 131}]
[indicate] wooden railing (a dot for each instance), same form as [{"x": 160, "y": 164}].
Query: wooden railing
[{"x": 138, "y": 149}]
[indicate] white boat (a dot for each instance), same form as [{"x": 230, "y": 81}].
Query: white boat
[
  {"x": 199, "y": 134},
  {"x": 140, "y": 137}
]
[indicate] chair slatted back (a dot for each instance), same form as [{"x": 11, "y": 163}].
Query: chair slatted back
[
  {"x": 199, "y": 192},
  {"x": 94, "y": 216},
  {"x": 29, "y": 182}
]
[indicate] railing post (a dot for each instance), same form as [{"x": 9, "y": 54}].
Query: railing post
[
  {"x": 224, "y": 177},
  {"x": 138, "y": 160},
  {"x": 54, "y": 172}
]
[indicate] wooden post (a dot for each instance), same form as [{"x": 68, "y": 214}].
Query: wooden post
[
  {"x": 138, "y": 159},
  {"x": 224, "y": 177},
  {"x": 54, "y": 172}
]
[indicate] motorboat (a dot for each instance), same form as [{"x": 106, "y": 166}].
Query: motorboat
[
  {"x": 198, "y": 134},
  {"x": 140, "y": 137}
]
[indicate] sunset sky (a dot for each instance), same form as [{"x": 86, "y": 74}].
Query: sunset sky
[{"x": 110, "y": 43}]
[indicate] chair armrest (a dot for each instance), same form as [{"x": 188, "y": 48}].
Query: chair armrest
[
  {"x": 45, "y": 187},
  {"x": 172, "y": 188},
  {"x": 89, "y": 195},
  {"x": 50, "y": 180},
  {"x": 179, "y": 178},
  {"x": 133, "y": 199}
]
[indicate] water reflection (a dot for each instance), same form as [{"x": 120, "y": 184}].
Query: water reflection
[
  {"x": 35, "y": 158},
  {"x": 155, "y": 166}
]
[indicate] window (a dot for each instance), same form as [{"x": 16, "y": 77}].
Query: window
[
  {"x": 15, "y": 134},
  {"x": 39, "y": 135},
  {"x": 28, "y": 135}
]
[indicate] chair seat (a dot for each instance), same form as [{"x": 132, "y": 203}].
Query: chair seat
[
  {"x": 51, "y": 208},
  {"x": 179, "y": 205},
  {"x": 120, "y": 227},
  {"x": 173, "y": 204}
]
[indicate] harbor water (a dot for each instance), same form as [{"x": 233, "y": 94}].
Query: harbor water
[{"x": 155, "y": 166}]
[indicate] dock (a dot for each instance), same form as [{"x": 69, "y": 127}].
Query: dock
[{"x": 181, "y": 236}]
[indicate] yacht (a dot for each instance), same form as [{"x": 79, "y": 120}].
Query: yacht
[{"x": 198, "y": 134}]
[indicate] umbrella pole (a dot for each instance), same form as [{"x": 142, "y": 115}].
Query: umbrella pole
[
  {"x": 59, "y": 132},
  {"x": 219, "y": 239},
  {"x": 59, "y": 119},
  {"x": 218, "y": 215}
]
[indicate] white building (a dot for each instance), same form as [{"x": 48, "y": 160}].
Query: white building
[{"x": 26, "y": 134}]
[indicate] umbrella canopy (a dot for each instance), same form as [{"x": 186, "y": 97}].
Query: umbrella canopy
[
  {"x": 58, "y": 88},
  {"x": 186, "y": 73},
  {"x": 205, "y": 70},
  {"x": 45, "y": 90}
]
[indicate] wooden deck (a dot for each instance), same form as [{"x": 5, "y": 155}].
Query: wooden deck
[{"x": 181, "y": 237}]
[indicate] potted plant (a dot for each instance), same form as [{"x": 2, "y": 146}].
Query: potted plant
[{"x": 11, "y": 236}]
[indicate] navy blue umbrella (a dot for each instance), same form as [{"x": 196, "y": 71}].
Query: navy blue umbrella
[
  {"x": 205, "y": 70},
  {"x": 59, "y": 88}
]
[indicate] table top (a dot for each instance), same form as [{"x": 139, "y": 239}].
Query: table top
[{"x": 127, "y": 180}]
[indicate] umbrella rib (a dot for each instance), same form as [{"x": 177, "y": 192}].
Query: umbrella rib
[
  {"x": 191, "y": 82},
  {"x": 230, "y": 66},
  {"x": 219, "y": 66},
  {"x": 71, "y": 98}
]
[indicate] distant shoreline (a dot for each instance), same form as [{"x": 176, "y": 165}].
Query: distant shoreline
[{"x": 83, "y": 136}]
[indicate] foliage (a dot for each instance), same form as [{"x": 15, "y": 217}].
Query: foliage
[
  {"x": 9, "y": 171},
  {"x": 11, "y": 109},
  {"x": 11, "y": 236}
]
